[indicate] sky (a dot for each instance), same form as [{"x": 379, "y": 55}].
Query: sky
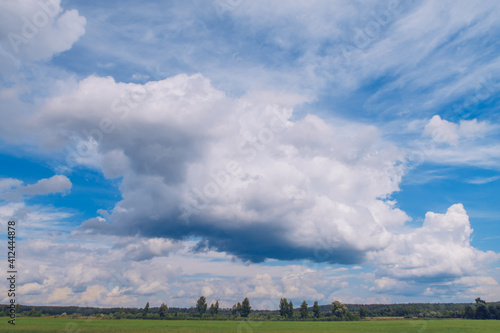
[{"x": 321, "y": 150}]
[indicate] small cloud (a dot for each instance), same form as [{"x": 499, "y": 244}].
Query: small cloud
[
  {"x": 145, "y": 249},
  {"x": 12, "y": 189},
  {"x": 443, "y": 131},
  {"x": 139, "y": 77},
  {"x": 490, "y": 238},
  {"x": 55, "y": 184},
  {"x": 6, "y": 184},
  {"x": 58, "y": 32},
  {"x": 341, "y": 269},
  {"x": 482, "y": 180}
]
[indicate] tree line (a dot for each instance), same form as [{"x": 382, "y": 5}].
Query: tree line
[{"x": 336, "y": 311}]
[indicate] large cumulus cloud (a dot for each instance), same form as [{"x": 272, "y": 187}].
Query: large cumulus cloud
[{"x": 246, "y": 175}]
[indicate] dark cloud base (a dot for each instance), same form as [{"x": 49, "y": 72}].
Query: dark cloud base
[{"x": 254, "y": 243}]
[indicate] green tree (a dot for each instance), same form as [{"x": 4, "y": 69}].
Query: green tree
[
  {"x": 163, "y": 310},
  {"x": 234, "y": 310},
  {"x": 32, "y": 312},
  {"x": 303, "y": 310},
  {"x": 283, "y": 307},
  {"x": 468, "y": 312},
  {"x": 201, "y": 305},
  {"x": 238, "y": 307},
  {"x": 290, "y": 309},
  {"x": 216, "y": 307},
  {"x": 245, "y": 308},
  {"x": 146, "y": 310},
  {"x": 482, "y": 311},
  {"x": 212, "y": 309},
  {"x": 362, "y": 312},
  {"x": 119, "y": 314},
  {"x": 493, "y": 311},
  {"x": 339, "y": 310},
  {"x": 316, "y": 309}
]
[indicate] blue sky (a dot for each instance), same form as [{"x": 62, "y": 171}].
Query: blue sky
[{"x": 319, "y": 150}]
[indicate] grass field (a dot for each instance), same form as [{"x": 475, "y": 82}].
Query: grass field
[{"x": 143, "y": 326}]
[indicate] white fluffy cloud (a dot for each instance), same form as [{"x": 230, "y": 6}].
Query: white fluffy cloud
[
  {"x": 6, "y": 184},
  {"x": 458, "y": 143},
  {"x": 440, "y": 249},
  {"x": 37, "y": 29},
  {"x": 12, "y": 189},
  {"x": 443, "y": 131},
  {"x": 147, "y": 249}
]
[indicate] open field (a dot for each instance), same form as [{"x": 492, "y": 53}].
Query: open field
[{"x": 126, "y": 326}]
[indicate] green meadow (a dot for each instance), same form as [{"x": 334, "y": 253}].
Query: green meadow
[{"x": 133, "y": 325}]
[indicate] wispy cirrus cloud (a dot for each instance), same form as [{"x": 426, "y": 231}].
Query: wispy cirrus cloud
[{"x": 483, "y": 180}]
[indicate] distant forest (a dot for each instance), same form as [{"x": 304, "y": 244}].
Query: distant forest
[{"x": 336, "y": 311}]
